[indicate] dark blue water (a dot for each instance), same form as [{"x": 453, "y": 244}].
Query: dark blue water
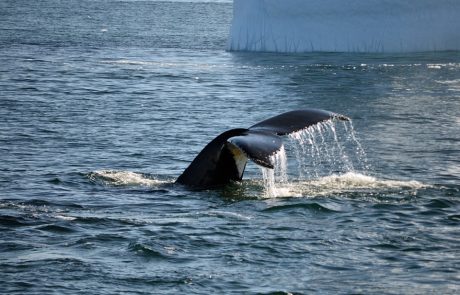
[{"x": 104, "y": 103}]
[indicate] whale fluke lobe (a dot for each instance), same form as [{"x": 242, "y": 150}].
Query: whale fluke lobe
[
  {"x": 258, "y": 146},
  {"x": 225, "y": 157},
  {"x": 294, "y": 121}
]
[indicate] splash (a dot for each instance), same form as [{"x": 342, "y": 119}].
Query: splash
[
  {"x": 325, "y": 158},
  {"x": 280, "y": 171},
  {"x": 277, "y": 175},
  {"x": 326, "y": 148},
  {"x": 123, "y": 178}
]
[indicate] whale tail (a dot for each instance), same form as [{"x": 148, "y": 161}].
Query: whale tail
[{"x": 224, "y": 159}]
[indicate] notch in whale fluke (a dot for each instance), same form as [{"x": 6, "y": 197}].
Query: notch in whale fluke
[{"x": 225, "y": 157}]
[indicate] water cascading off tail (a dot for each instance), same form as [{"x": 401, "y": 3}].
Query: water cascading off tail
[
  {"x": 326, "y": 149},
  {"x": 345, "y": 26}
]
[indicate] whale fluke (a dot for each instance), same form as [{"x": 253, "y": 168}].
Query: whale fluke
[
  {"x": 225, "y": 157},
  {"x": 294, "y": 121}
]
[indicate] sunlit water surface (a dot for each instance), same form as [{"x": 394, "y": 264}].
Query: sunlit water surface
[{"x": 104, "y": 103}]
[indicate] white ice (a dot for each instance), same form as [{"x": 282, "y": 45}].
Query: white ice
[{"x": 345, "y": 25}]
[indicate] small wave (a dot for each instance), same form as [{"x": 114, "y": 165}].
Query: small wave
[
  {"x": 59, "y": 258},
  {"x": 160, "y": 251},
  {"x": 343, "y": 183},
  {"x": 108, "y": 221},
  {"x": 227, "y": 215},
  {"x": 60, "y": 229},
  {"x": 309, "y": 207},
  {"x": 449, "y": 82},
  {"x": 162, "y": 64},
  {"x": 127, "y": 62},
  {"x": 123, "y": 178},
  {"x": 148, "y": 250},
  {"x": 11, "y": 221},
  {"x": 440, "y": 204}
]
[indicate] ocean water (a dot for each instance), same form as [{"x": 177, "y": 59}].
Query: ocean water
[{"x": 104, "y": 103}]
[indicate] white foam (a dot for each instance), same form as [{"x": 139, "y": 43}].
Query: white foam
[
  {"x": 123, "y": 178},
  {"x": 64, "y": 217},
  {"x": 345, "y": 26},
  {"x": 340, "y": 184},
  {"x": 354, "y": 180}
]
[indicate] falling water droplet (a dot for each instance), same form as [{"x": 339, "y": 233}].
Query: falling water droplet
[{"x": 327, "y": 148}]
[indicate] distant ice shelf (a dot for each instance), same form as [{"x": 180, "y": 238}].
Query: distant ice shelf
[{"x": 345, "y": 25}]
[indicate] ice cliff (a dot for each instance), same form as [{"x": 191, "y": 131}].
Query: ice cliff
[{"x": 345, "y": 25}]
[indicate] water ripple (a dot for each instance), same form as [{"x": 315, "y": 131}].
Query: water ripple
[{"x": 314, "y": 207}]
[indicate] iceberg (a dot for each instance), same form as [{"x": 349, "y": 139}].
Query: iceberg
[{"x": 391, "y": 26}]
